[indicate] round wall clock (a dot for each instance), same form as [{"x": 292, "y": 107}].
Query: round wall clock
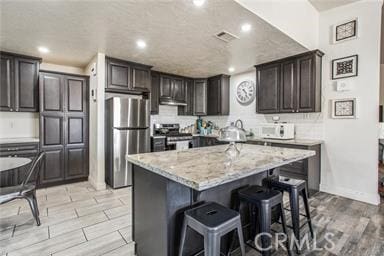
[{"x": 245, "y": 92}]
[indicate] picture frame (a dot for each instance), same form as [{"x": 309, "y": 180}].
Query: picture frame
[
  {"x": 344, "y": 108},
  {"x": 345, "y": 30},
  {"x": 345, "y": 67}
]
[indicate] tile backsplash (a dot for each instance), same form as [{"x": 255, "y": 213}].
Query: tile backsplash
[{"x": 308, "y": 126}]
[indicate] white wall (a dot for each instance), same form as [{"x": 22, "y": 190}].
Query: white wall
[
  {"x": 19, "y": 125},
  {"x": 96, "y": 123},
  {"x": 62, "y": 68},
  {"x": 296, "y": 18},
  {"x": 349, "y": 160}
]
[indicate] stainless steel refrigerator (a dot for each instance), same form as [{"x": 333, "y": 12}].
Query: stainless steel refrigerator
[{"x": 126, "y": 132}]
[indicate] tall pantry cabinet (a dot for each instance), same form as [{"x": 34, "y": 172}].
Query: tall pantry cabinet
[{"x": 63, "y": 127}]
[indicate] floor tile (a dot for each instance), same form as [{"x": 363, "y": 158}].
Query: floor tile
[
  {"x": 52, "y": 245},
  {"x": 118, "y": 211},
  {"x": 23, "y": 240},
  {"x": 125, "y": 250},
  {"x": 95, "y": 247},
  {"x": 126, "y": 233},
  {"x": 76, "y": 223},
  {"x": 98, "y": 207},
  {"x": 106, "y": 227}
]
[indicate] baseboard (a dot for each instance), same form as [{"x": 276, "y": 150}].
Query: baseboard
[
  {"x": 352, "y": 194},
  {"x": 97, "y": 185}
]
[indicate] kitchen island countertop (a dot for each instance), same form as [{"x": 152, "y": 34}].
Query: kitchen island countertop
[{"x": 207, "y": 167}]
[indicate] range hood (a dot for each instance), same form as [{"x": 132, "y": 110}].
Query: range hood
[{"x": 172, "y": 102}]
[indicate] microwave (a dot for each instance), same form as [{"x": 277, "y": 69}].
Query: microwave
[{"x": 280, "y": 131}]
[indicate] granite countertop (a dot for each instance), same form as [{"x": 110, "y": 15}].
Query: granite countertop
[
  {"x": 305, "y": 142},
  {"x": 19, "y": 140},
  {"x": 207, "y": 167}
]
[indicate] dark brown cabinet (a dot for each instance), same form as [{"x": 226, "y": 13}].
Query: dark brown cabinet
[
  {"x": 127, "y": 77},
  {"x": 155, "y": 90},
  {"x": 26, "y": 150},
  {"x": 63, "y": 127},
  {"x": 290, "y": 85},
  {"x": 200, "y": 97},
  {"x": 19, "y": 83},
  {"x": 218, "y": 95},
  {"x": 172, "y": 89},
  {"x": 188, "y": 109}
]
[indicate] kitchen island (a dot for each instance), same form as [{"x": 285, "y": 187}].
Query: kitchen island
[{"x": 165, "y": 184}]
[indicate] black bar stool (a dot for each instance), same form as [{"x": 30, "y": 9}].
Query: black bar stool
[
  {"x": 264, "y": 200},
  {"x": 212, "y": 221},
  {"x": 295, "y": 188}
]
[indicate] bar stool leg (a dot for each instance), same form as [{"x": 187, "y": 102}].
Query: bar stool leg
[
  {"x": 183, "y": 236},
  {"x": 295, "y": 208},
  {"x": 265, "y": 228},
  {"x": 211, "y": 245},
  {"x": 307, "y": 211},
  {"x": 241, "y": 238},
  {"x": 284, "y": 224}
]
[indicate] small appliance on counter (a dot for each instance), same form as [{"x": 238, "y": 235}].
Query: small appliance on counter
[
  {"x": 171, "y": 137},
  {"x": 281, "y": 131}
]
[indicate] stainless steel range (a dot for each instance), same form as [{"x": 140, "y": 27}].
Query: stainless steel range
[{"x": 173, "y": 138}]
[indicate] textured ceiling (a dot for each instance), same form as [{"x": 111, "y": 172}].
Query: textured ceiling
[
  {"x": 179, "y": 35},
  {"x": 323, "y": 5}
]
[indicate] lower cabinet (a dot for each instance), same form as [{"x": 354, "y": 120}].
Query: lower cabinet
[
  {"x": 52, "y": 168},
  {"x": 308, "y": 169},
  {"x": 206, "y": 141},
  {"x": 17, "y": 176}
]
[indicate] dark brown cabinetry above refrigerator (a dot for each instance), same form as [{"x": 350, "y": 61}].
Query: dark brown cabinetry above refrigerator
[
  {"x": 63, "y": 127},
  {"x": 172, "y": 90},
  {"x": 127, "y": 77},
  {"x": 19, "y": 83},
  {"x": 290, "y": 85}
]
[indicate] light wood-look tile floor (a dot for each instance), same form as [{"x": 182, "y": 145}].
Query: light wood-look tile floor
[{"x": 77, "y": 220}]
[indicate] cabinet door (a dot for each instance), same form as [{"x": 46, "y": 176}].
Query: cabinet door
[
  {"x": 51, "y": 93},
  {"x": 155, "y": 89},
  {"x": 52, "y": 168},
  {"x": 288, "y": 87},
  {"x": 6, "y": 84},
  {"x": 213, "y": 96},
  {"x": 200, "y": 97},
  {"x": 305, "y": 84},
  {"x": 26, "y": 85},
  {"x": 178, "y": 89},
  {"x": 51, "y": 127},
  {"x": 118, "y": 74},
  {"x": 224, "y": 93},
  {"x": 76, "y": 161},
  {"x": 165, "y": 87},
  {"x": 141, "y": 78},
  {"x": 76, "y": 94},
  {"x": 188, "y": 109},
  {"x": 268, "y": 82}
]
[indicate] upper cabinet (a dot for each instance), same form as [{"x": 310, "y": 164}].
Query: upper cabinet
[
  {"x": 218, "y": 95},
  {"x": 200, "y": 97},
  {"x": 19, "y": 87},
  {"x": 188, "y": 109},
  {"x": 124, "y": 76},
  {"x": 155, "y": 90},
  {"x": 172, "y": 89},
  {"x": 290, "y": 85}
]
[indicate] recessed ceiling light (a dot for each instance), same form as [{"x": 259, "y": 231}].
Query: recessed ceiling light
[
  {"x": 246, "y": 27},
  {"x": 43, "y": 49},
  {"x": 231, "y": 69},
  {"x": 198, "y": 2},
  {"x": 141, "y": 44}
]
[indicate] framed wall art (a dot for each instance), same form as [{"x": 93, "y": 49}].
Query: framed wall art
[
  {"x": 345, "y": 30},
  {"x": 344, "y": 67},
  {"x": 344, "y": 108}
]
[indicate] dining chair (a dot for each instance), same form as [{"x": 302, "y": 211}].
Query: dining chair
[{"x": 26, "y": 190}]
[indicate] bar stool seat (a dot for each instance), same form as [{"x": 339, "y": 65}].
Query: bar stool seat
[
  {"x": 295, "y": 188},
  {"x": 264, "y": 200},
  {"x": 212, "y": 221}
]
